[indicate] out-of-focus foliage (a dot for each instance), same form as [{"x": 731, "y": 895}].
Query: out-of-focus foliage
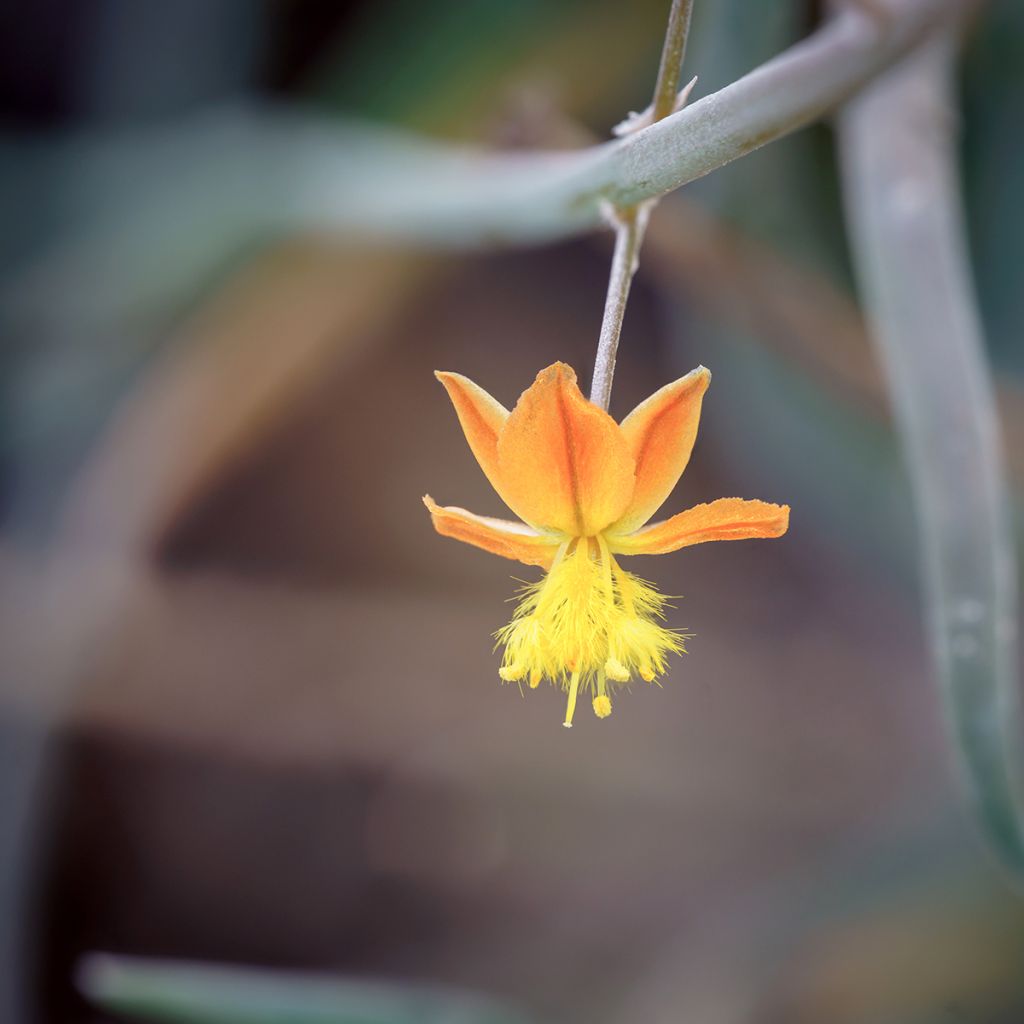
[{"x": 198, "y": 994}]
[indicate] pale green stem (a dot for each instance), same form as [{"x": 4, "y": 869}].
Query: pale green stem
[
  {"x": 462, "y": 197},
  {"x": 902, "y": 191}
]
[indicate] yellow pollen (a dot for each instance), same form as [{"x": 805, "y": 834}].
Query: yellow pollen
[
  {"x": 512, "y": 673},
  {"x": 602, "y": 706},
  {"x": 614, "y": 669}
]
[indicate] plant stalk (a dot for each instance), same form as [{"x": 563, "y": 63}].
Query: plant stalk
[{"x": 631, "y": 221}]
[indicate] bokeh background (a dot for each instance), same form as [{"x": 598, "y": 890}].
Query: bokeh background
[{"x": 251, "y": 712}]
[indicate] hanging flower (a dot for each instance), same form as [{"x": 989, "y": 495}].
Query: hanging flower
[{"x": 585, "y": 488}]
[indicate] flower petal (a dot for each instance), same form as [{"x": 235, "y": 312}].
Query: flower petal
[
  {"x": 563, "y": 462},
  {"x": 725, "y": 519},
  {"x": 660, "y": 433},
  {"x": 499, "y": 536},
  {"x": 481, "y": 418}
]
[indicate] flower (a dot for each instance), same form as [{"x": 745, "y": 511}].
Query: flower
[{"x": 585, "y": 487}]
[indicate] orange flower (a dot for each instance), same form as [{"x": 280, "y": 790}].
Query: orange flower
[{"x": 585, "y": 487}]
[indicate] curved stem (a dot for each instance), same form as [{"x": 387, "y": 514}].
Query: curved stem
[
  {"x": 460, "y": 197},
  {"x": 906, "y": 225}
]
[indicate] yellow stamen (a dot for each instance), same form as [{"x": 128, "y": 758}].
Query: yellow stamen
[
  {"x": 570, "y": 707},
  {"x": 586, "y": 623},
  {"x": 602, "y": 702},
  {"x": 606, "y": 568}
]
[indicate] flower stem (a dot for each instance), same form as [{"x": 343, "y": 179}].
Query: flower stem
[
  {"x": 667, "y": 86},
  {"x": 629, "y": 231},
  {"x": 631, "y": 221}
]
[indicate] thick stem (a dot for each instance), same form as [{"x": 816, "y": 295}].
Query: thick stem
[{"x": 461, "y": 197}]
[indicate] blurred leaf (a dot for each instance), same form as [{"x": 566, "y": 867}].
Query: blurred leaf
[
  {"x": 448, "y": 67},
  {"x": 200, "y": 994},
  {"x": 903, "y": 202},
  {"x": 419, "y": 64}
]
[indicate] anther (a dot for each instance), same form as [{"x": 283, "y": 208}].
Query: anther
[
  {"x": 614, "y": 669},
  {"x": 602, "y": 706},
  {"x": 512, "y": 673},
  {"x": 647, "y": 673},
  {"x": 535, "y": 677}
]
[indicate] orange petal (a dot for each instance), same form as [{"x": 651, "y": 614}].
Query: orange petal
[
  {"x": 564, "y": 464},
  {"x": 499, "y": 536},
  {"x": 481, "y": 418},
  {"x": 725, "y": 519},
  {"x": 660, "y": 433}
]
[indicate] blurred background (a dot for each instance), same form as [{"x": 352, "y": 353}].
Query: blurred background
[{"x": 250, "y": 708}]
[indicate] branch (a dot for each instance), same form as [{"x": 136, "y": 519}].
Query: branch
[
  {"x": 473, "y": 198},
  {"x": 250, "y": 172},
  {"x": 908, "y": 239}
]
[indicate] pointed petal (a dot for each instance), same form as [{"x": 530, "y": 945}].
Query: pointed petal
[
  {"x": 564, "y": 464},
  {"x": 499, "y": 536},
  {"x": 660, "y": 433},
  {"x": 481, "y": 418},
  {"x": 725, "y": 519}
]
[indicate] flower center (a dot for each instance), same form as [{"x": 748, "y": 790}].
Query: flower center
[{"x": 587, "y": 624}]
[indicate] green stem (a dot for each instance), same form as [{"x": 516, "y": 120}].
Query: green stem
[{"x": 396, "y": 187}]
